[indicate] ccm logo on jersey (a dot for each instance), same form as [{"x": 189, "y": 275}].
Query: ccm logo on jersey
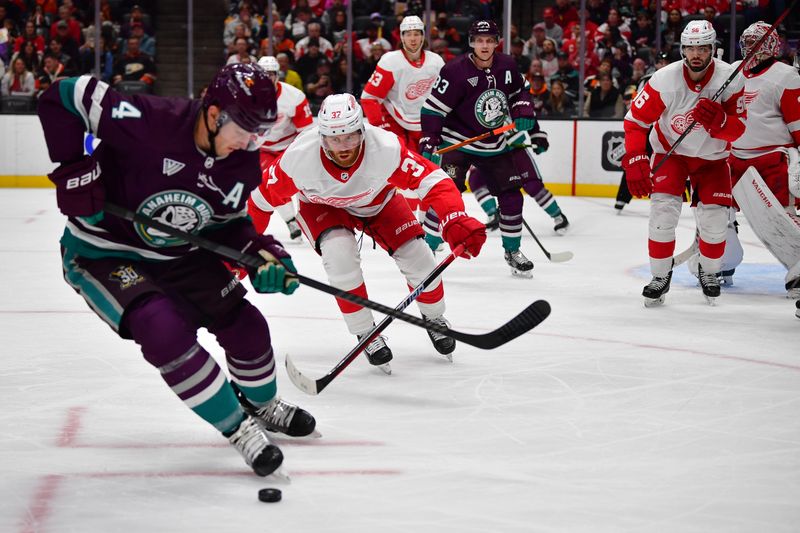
[{"x": 84, "y": 179}]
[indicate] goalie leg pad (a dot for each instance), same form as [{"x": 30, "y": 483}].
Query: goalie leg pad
[
  {"x": 777, "y": 230},
  {"x": 665, "y": 210},
  {"x": 342, "y": 263}
]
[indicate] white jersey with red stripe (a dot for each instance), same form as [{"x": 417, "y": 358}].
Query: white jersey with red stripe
[
  {"x": 361, "y": 189},
  {"x": 402, "y": 87},
  {"x": 294, "y": 115},
  {"x": 668, "y": 100},
  {"x": 772, "y": 98}
]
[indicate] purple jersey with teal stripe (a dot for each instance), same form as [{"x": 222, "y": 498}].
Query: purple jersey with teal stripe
[
  {"x": 467, "y": 101},
  {"x": 150, "y": 164}
]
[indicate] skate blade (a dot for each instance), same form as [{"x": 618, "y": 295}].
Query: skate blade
[
  {"x": 523, "y": 274},
  {"x": 561, "y": 232},
  {"x": 280, "y": 476},
  {"x": 385, "y": 368},
  {"x": 712, "y": 300},
  {"x": 793, "y": 294},
  {"x": 654, "y": 302}
]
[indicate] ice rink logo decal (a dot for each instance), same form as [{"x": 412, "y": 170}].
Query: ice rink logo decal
[
  {"x": 180, "y": 209},
  {"x": 491, "y": 108}
]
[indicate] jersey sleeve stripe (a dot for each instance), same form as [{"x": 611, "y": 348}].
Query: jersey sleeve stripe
[
  {"x": 258, "y": 199},
  {"x": 428, "y": 111},
  {"x": 794, "y": 126},
  {"x": 429, "y": 182},
  {"x": 436, "y": 104},
  {"x": 96, "y": 111},
  {"x": 66, "y": 91},
  {"x": 80, "y": 90}
]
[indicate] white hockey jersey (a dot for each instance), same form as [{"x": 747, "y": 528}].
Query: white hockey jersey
[
  {"x": 403, "y": 86},
  {"x": 362, "y": 189},
  {"x": 294, "y": 115},
  {"x": 668, "y": 100},
  {"x": 772, "y": 99}
]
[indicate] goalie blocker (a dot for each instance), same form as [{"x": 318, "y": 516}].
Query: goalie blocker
[{"x": 775, "y": 228}]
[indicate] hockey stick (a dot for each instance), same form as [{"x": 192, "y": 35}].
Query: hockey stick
[
  {"x": 482, "y": 136},
  {"x": 724, "y": 86},
  {"x": 558, "y": 257},
  {"x": 529, "y": 318},
  {"x": 315, "y": 386}
]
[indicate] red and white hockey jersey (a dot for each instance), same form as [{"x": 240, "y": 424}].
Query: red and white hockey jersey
[
  {"x": 667, "y": 101},
  {"x": 294, "y": 115},
  {"x": 403, "y": 86},
  {"x": 362, "y": 189},
  {"x": 772, "y": 99}
]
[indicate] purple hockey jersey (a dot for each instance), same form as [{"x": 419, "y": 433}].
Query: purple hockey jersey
[
  {"x": 150, "y": 164},
  {"x": 466, "y": 101}
]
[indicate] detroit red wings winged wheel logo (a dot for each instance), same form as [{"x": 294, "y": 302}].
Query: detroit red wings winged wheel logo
[
  {"x": 419, "y": 88},
  {"x": 678, "y": 123}
]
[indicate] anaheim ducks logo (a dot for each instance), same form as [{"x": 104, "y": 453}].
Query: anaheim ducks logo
[
  {"x": 341, "y": 201},
  {"x": 679, "y": 123},
  {"x": 491, "y": 108},
  {"x": 180, "y": 209},
  {"x": 419, "y": 88}
]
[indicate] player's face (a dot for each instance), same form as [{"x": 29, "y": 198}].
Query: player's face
[
  {"x": 231, "y": 137},
  {"x": 344, "y": 149},
  {"x": 412, "y": 40},
  {"x": 484, "y": 46},
  {"x": 697, "y": 57},
  {"x": 274, "y": 77}
]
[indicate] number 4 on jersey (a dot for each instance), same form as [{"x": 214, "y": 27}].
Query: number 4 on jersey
[{"x": 125, "y": 110}]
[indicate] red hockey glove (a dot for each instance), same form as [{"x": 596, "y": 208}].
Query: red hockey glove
[
  {"x": 710, "y": 115},
  {"x": 459, "y": 228},
  {"x": 637, "y": 173},
  {"x": 79, "y": 190}
]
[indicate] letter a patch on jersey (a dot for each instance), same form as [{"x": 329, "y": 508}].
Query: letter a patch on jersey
[{"x": 171, "y": 166}]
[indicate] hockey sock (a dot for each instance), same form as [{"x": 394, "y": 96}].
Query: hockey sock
[
  {"x": 245, "y": 337},
  {"x": 511, "y": 244},
  {"x": 486, "y": 200},
  {"x": 511, "y": 219},
  {"x": 431, "y": 226},
  {"x": 170, "y": 344},
  {"x": 546, "y": 201}
]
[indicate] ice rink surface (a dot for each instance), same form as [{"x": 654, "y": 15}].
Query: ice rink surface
[{"x": 608, "y": 417}]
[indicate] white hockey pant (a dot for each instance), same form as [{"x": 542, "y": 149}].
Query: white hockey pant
[
  {"x": 712, "y": 222},
  {"x": 665, "y": 210}
]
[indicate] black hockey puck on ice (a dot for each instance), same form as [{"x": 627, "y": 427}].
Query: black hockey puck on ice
[{"x": 269, "y": 495}]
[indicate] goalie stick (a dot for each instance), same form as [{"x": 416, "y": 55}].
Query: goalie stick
[
  {"x": 558, "y": 257},
  {"x": 315, "y": 386},
  {"x": 526, "y": 320}
]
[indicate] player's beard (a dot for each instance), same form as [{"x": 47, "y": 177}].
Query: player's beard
[
  {"x": 701, "y": 68},
  {"x": 349, "y": 160}
]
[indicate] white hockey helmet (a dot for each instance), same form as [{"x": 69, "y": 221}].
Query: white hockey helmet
[
  {"x": 771, "y": 47},
  {"x": 412, "y": 22},
  {"x": 269, "y": 63},
  {"x": 340, "y": 114},
  {"x": 699, "y": 33}
]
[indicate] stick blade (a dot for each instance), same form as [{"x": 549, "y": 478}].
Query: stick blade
[
  {"x": 529, "y": 318},
  {"x": 560, "y": 257},
  {"x": 305, "y": 384}
]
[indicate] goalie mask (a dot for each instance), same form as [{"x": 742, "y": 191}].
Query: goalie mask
[{"x": 769, "y": 48}]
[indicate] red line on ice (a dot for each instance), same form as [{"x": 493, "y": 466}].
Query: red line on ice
[{"x": 39, "y": 506}]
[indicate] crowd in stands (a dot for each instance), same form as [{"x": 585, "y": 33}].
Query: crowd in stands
[
  {"x": 309, "y": 37},
  {"x": 42, "y": 41}
]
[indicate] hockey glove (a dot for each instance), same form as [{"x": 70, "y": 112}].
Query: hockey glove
[
  {"x": 277, "y": 274},
  {"x": 794, "y": 172},
  {"x": 460, "y": 228},
  {"x": 539, "y": 142},
  {"x": 427, "y": 147},
  {"x": 710, "y": 115},
  {"x": 637, "y": 174},
  {"x": 79, "y": 191},
  {"x": 524, "y": 123}
]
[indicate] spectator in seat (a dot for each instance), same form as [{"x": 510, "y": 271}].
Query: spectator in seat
[
  {"x": 297, "y": 22},
  {"x": 18, "y": 81},
  {"x": 534, "y": 45},
  {"x": 242, "y": 54},
  {"x": 440, "y": 47},
  {"x": 31, "y": 57},
  {"x": 551, "y": 29},
  {"x": 314, "y": 32},
  {"x": 69, "y": 46},
  {"x": 523, "y": 61},
  {"x": 367, "y": 67},
  {"x": 55, "y": 49},
  {"x": 567, "y": 74},
  {"x": 604, "y": 101},
  {"x": 372, "y": 38},
  {"x": 147, "y": 43},
  {"x": 230, "y": 34},
  {"x": 549, "y": 58},
  {"x": 134, "y": 65},
  {"x": 338, "y": 26},
  {"x": 319, "y": 84},
  {"x": 106, "y": 59},
  {"x": 643, "y": 33},
  {"x": 540, "y": 93},
  {"x": 29, "y": 34},
  {"x": 286, "y": 74},
  {"x": 559, "y": 105},
  {"x": 671, "y": 32},
  {"x": 596, "y": 11},
  {"x": 52, "y": 69},
  {"x": 136, "y": 15},
  {"x": 306, "y": 66},
  {"x": 280, "y": 42},
  {"x": 73, "y": 26},
  {"x": 443, "y": 30},
  {"x": 565, "y": 13}
]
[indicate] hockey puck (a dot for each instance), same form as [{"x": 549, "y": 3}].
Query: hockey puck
[{"x": 269, "y": 495}]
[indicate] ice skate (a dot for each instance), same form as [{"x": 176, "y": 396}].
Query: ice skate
[
  {"x": 793, "y": 289},
  {"x": 654, "y": 291},
  {"x": 251, "y": 440},
  {"x": 294, "y": 229},
  {"x": 797, "y": 309},
  {"x": 726, "y": 277},
  {"x": 444, "y": 345},
  {"x": 378, "y": 353},
  {"x": 493, "y": 221},
  {"x": 710, "y": 285},
  {"x": 619, "y": 205},
  {"x": 280, "y": 416},
  {"x": 521, "y": 266},
  {"x": 561, "y": 224}
]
